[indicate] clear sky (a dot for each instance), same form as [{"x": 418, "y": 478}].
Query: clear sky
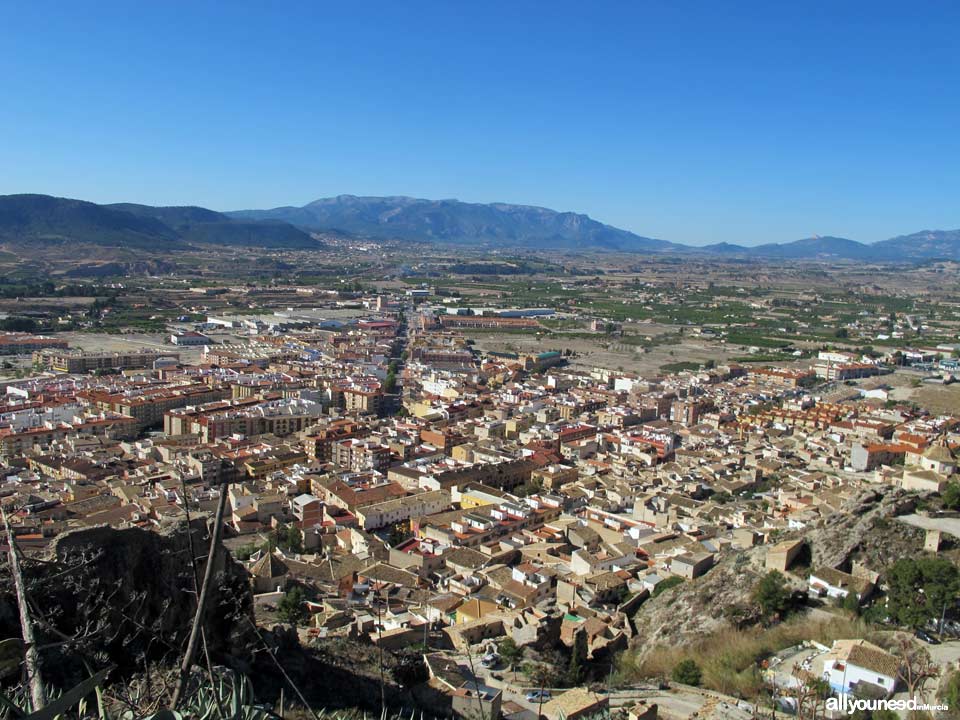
[{"x": 695, "y": 121}]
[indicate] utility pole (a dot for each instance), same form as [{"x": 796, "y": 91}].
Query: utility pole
[
  {"x": 38, "y": 695},
  {"x": 383, "y": 702},
  {"x": 476, "y": 682},
  {"x": 943, "y": 617}
]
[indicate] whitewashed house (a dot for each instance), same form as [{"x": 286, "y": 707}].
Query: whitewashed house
[{"x": 859, "y": 667}]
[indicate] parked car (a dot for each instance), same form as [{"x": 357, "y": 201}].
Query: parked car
[
  {"x": 535, "y": 696},
  {"x": 490, "y": 660},
  {"x": 927, "y": 638}
]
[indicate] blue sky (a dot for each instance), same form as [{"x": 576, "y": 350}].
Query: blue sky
[{"x": 696, "y": 122}]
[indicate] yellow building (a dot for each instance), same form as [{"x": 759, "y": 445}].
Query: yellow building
[{"x": 473, "y": 610}]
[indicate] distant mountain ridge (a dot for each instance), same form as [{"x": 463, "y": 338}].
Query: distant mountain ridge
[
  {"x": 199, "y": 225},
  {"x": 923, "y": 245},
  {"x": 50, "y": 220},
  {"x": 453, "y": 221},
  {"x": 812, "y": 247},
  {"x": 504, "y": 225},
  {"x": 46, "y": 219}
]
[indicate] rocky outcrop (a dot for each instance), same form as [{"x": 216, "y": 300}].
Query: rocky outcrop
[
  {"x": 128, "y": 597},
  {"x": 865, "y": 531},
  {"x": 692, "y": 609}
]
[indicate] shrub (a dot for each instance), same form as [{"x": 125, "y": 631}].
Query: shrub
[
  {"x": 771, "y": 594},
  {"x": 687, "y": 672},
  {"x": 665, "y": 584},
  {"x": 728, "y": 658},
  {"x": 951, "y": 496},
  {"x": 291, "y": 608}
]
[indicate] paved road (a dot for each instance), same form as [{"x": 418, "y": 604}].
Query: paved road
[
  {"x": 679, "y": 701},
  {"x": 946, "y": 524}
]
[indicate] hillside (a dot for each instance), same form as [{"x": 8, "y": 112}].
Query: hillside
[
  {"x": 866, "y": 531},
  {"x": 199, "y": 225},
  {"x": 50, "y": 220},
  {"x": 29, "y": 220},
  {"x": 497, "y": 224},
  {"x": 922, "y": 245}
]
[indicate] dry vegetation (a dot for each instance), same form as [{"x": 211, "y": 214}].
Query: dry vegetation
[{"x": 730, "y": 658}]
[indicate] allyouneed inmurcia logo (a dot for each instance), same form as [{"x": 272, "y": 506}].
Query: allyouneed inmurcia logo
[{"x": 850, "y": 705}]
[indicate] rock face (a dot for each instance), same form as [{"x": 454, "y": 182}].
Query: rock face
[
  {"x": 127, "y": 596},
  {"x": 866, "y": 531},
  {"x": 695, "y": 608}
]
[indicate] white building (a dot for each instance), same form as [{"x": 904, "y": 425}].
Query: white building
[
  {"x": 836, "y": 584},
  {"x": 853, "y": 665},
  {"x": 189, "y": 338}
]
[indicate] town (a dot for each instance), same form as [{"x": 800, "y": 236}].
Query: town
[{"x": 561, "y": 497}]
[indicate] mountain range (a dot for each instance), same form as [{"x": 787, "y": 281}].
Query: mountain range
[
  {"x": 452, "y": 221},
  {"x": 59, "y": 221},
  {"x": 46, "y": 219}
]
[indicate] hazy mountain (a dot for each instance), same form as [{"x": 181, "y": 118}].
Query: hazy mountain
[
  {"x": 523, "y": 226},
  {"x": 723, "y": 248},
  {"x": 452, "y": 221},
  {"x": 199, "y": 225},
  {"x": 814, "y": 247},
  {"x": 51, "y": 220},
  {"x": 923, "y": 245},
  {"x": 46, "y": 219}
]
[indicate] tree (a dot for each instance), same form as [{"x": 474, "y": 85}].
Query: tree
[
  {"x": 18, "y": 324},
  {"x": 291, "y": 607},
  {"x": 399, "y": 532},
  {"x": 511, "y": 653},
  {"x": 851, "y": 603},
  {"x": 921, "y": 589},
  {"x": 951, "y": 496},
  {"x": 841, "y": 333},
  {"x": 770, "y": 594},
  {"x": 204, "y": 598},
  {"x": 916, "y": 666},
  {"x": 687, "y": 672},
  {"x": 883, "y": 714},
  {"x": 245, "y": 552},
  {"x": 810, "y": 694},
  {"x": 390, "y": 383},
  {"x": 578, "y": 657},
  {"x": 289, "y": 539},
  {"x": 539, "y": 674}
]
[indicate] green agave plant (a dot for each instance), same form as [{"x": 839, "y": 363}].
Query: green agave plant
[{"x": 228, "y": 697}]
